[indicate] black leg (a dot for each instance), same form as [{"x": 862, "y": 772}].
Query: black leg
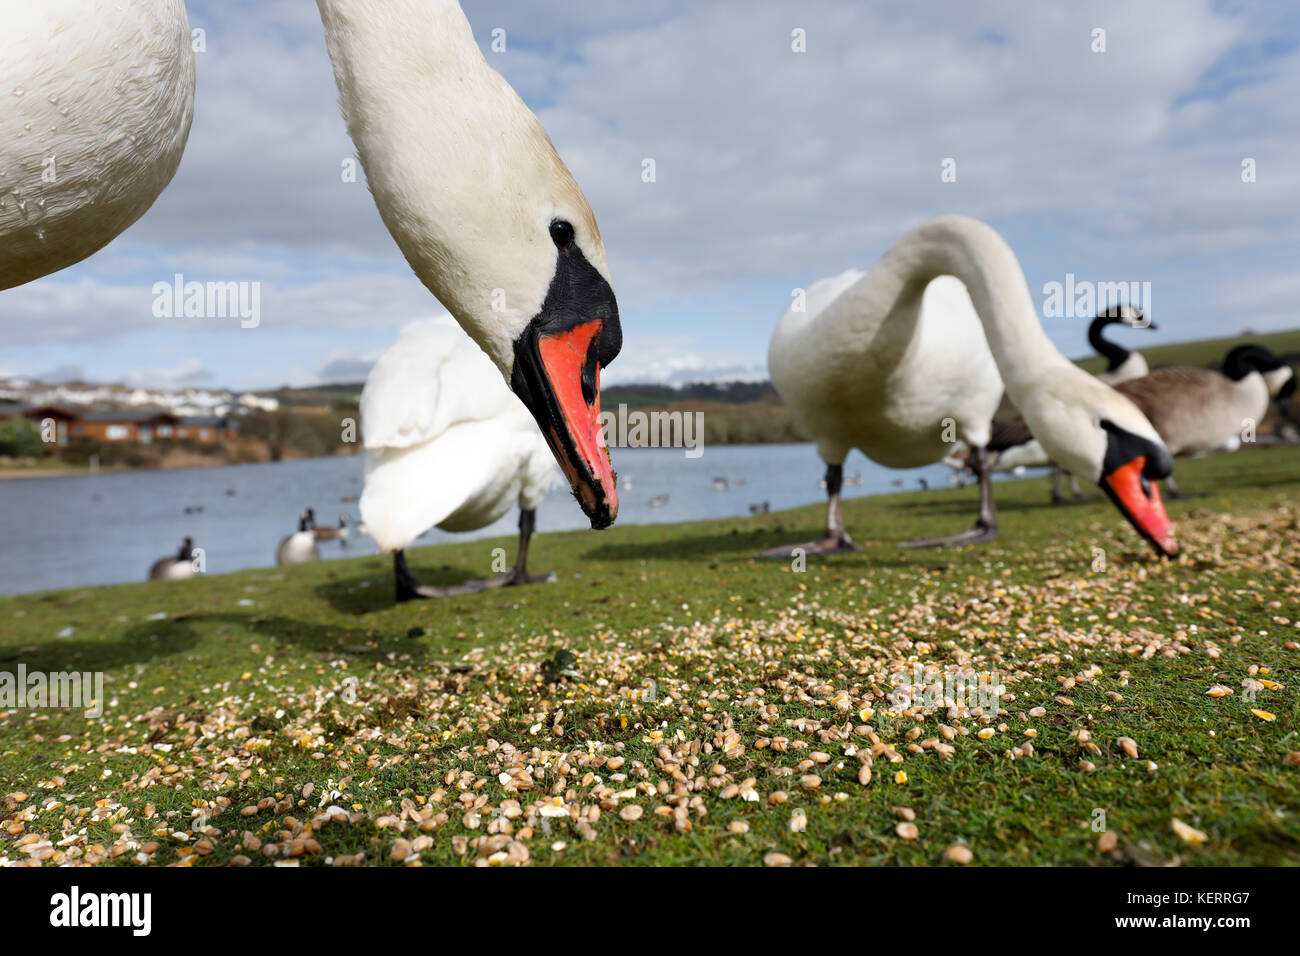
[
  {"x": 986, "y": 525},
  {"x": 519, "y": 573},
  {"x": 407, "y": 586},
  {"x": 837, "y": 539}
]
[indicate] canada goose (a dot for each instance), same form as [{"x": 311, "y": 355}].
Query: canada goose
[
  {"x": 299, "y": 547},
  {"x": 487, "y": 215},
  {"x": 339, "y": 533},
  {"x": 1121, "y": 363},
  {"x": 895, "y": 363},
  {"x": 98, "y": 103},
  {"x": 1199, "y": 410},
  {"x": 448, "y": 446},
  {"x": 173, "y": 568},
  {"x": 1195, "y": 410}
]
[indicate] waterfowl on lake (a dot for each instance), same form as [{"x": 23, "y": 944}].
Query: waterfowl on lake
[
  {"x": 299, "y": 547},
  {"x": 487, "y": 215},
  {"x": 339, "y": 533},
  {"x": 448, "y": 446},
  {"x": 903, "y": 361},
  {"x": 177, "y": 566},
  {"x": 98, "y": 103}
]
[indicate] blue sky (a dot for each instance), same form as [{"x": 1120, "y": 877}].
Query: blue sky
[{"x": 773, "y": 168}]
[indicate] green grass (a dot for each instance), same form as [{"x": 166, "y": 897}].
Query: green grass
[
  {"x": 224, "y": 703},
  {"x": 1200, "y": 353}
]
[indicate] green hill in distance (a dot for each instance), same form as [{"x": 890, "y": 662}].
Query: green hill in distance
[{"x": 752, "y": 412}]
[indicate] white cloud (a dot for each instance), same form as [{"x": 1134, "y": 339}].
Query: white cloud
[{"x": 773, "y": 167}]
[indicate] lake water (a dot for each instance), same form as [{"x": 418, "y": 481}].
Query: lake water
[{"x": 109, "y": 528}]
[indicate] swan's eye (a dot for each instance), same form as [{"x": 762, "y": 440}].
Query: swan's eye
[{"x": 561, "y": 233}]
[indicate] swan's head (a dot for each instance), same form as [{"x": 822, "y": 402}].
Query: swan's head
[
  {"x": 512, "y": 249},
  {"x": 555, "y": 359},
  {"x": 487, "y": 214},
  {"x": 1093, "y": 431}
]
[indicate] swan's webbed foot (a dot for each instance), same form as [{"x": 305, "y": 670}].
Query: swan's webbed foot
[
  {"x": 986, "y": 525},
  {"x": 839, "y": 543},
  {"x": 980, "y": 534},
  {"x": 837, "y": 540},
  {"x": 429, "y": 591},
  {"x": 409, "y": 589},
  {"x": 515, "y": 578}
]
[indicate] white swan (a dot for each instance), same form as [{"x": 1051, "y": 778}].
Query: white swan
[
  {"x": 447, "y": 445},
  {"x": 487, "y": 215},
  {"x": 1012, "y": 446},
  {"x": 299, "y": 547},
  {"x": 895, "y": 363},
  {"x": 98, "y": 102}
]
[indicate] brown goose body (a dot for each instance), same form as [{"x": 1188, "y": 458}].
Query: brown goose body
[{"x": 1198, "y": 410}]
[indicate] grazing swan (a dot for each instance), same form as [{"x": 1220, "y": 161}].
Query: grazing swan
[
  {"x": 896, "y": 364},
  {"x": 181, "y": 565},
  {"x": 299, "y": 547},
  {"x": 447, "y": 445},
  {"x": 98, "y": 102},
  {"x": 487, "y": 215},
  {"x": 1121, "y": 365},
  {"x": 1011, "y": 444}
]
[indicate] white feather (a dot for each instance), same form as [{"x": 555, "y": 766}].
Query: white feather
[
  {"x": 98, "y": 99},
  {"x": 905, "y": 360},
  {"x": 447, "y": 443},
  {"x": 463, "y": 174}
]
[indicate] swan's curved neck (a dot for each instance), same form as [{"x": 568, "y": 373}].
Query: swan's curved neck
[
  {"x": 981, "y": 259},
  {"x": 1114, "y": 354}
]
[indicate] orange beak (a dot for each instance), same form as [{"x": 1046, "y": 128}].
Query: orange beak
[
  {"x": 1138, "y": 499},
  {"x": 562, "y": 376}
]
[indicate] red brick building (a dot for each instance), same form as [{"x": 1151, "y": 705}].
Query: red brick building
[{"x": 143, "y": 427}]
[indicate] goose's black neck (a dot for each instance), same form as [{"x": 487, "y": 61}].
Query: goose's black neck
[
  {"x": 1245, "y": 359},
  {"x": 1115, "y": 354}
]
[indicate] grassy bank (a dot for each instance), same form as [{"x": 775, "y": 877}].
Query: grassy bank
[
  {"x": 297, "y": 714},
  {"x": 1204, "y": 352}
]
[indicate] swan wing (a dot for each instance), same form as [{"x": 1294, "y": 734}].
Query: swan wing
[
  {"x": 430, "y": 379},
  {"x": 412, "y": 489}
]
